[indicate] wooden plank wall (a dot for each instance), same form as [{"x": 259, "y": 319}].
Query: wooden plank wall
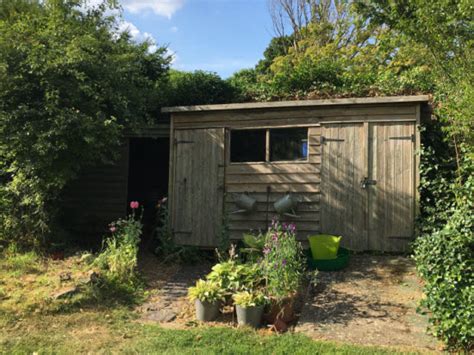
[
  {"x": 96, "y": 198},
  {"x": 301, "y": 178}
]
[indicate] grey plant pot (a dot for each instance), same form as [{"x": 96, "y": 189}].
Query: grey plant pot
[
  {"x": 205, "y": 311},
  {"x": 251, "y": 316}
]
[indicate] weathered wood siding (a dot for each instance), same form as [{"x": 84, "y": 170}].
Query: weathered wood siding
[
  {"x": 328, "y": 183},
  {"x": 344, "y": 202},
  {"x": 392, "y": 199},
  {"x": 198, "y": 186},
  {"x": 97, "y": 197}
]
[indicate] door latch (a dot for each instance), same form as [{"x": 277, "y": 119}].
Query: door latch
[{"x": 366, "y": 182}]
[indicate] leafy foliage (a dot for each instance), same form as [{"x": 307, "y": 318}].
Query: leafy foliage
[
  {"x": 69, "y": 85},
  {"x": 249, "y": 299},
  {"x": 206, "y": 291},
  {"x": 195, "y": 88},
  {"x": 119, "y": 256},
  {"x": 283, "y": 263},
  {"x": 234, "y": 276}
]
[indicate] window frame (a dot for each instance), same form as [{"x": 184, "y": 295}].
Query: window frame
[{"x": 267, "y": 146}]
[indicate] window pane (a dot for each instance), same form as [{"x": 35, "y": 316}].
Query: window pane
[
  {"x": 288, "y": 144},
  {"x": 247, "y": 145}
]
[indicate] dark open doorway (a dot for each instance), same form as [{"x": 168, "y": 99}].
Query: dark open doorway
[{"x": 148, "y": 176}]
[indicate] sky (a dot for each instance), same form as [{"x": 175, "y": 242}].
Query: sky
[{"x": 221, "y": 36}]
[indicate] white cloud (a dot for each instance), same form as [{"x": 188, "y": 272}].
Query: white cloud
[
  {"x": 174, "y": 29},
  {"x": 137, "y": 35},
  {"x": 172, "y": 54},
  {"x": 165, "y": 8}
]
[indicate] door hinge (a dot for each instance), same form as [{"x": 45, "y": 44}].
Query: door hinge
[
  {"x": 325, "y": 139},
  {"x": 403, "y": 138}
]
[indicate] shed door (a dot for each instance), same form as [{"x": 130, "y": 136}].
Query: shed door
[
  {"x": 198, "y": 186},
  {"x": 343, "y": 201},
  {"x": 392, "y": 198}
]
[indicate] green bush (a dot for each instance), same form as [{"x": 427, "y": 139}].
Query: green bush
[
  {"x": 69, "y": 85},
  {"x": 444, "y": 256}
]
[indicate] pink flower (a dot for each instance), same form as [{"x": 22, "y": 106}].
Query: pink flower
[
  {"x": 112, "y": 229},
  {"x": 266, "y": 250},
  {"x": 134, "y": 205}
]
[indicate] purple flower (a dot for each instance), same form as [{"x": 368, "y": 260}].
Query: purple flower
[
  {"x": 266, "y": 250},
  {"x": 113, "y": 229},
  {"x": 285, "y": 226},
  {"x": 292, "y": 228},
  {"x": 275, "y": 237},
  {"x": 283, "y": 262}
]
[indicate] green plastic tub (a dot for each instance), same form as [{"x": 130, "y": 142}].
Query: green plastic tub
[
  {"x": 339, "y": 263},
  {"x": 324, "y": 246}
]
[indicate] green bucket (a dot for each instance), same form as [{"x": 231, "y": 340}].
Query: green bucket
[
  {"x": 339, "y": 263},
  {"x": 324, "y": 246}
]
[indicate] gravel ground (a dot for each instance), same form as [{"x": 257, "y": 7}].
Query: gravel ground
[{"x": 372, "y": 302}]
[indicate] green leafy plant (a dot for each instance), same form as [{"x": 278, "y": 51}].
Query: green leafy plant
[
  {"x": 444, "y": 253},
  {"x": 206, "y": 291},
  {"x": 234, "y": 276},
  {"x": 249, "y": 299},
  {"x": 167, "y": 248},
  {"x": 283, "y": 264},
  {"x": 254, "y": 245},
  {"x": 118, "y": 258}
]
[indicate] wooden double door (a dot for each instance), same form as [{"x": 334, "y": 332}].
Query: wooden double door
[{"x": 368, "y": 184}]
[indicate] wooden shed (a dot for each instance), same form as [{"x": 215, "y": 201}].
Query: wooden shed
[{"x": 348, "y": 166}]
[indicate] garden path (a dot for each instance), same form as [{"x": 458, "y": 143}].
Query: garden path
[
  {"x": 169, "y": 284},
  {"x": 372, "y": 302}
]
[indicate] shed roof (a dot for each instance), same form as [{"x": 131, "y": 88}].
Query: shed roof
[{"x": 299, "y": 103}]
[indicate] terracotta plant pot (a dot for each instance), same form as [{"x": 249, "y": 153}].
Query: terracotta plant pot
[
  {"x": 205, "y": 311},
  {"x": 251, "y": 316},
  {"x": 282, "y": 310}
]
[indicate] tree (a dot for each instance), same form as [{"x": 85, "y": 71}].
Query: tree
[
  {"x": 196, "y": 88},
  {"x": 69, "y": 84}
]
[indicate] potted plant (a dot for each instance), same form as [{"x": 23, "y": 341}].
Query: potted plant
[
  {"x": 283, "y": 267},
  {"x": 207, "y": 297},
  {"x": 249, "y": 307}
]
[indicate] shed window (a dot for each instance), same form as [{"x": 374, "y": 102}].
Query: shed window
[
  {"x": 247, "y": 145},
  {"x": 288, "y": 144}
]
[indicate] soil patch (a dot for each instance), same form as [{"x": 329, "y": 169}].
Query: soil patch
[{"x": 372, "y": 302}]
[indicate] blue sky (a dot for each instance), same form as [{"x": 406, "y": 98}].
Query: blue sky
[{"x": 222, "y": 36}]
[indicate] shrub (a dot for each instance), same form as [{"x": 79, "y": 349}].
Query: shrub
[
  {"x": 283, "y": 263},
  {"x": 119, "y": 256},
  {"x": 445, "y": 259}
]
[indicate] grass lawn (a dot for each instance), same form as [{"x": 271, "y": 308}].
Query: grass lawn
[{"x": 30, "y": 321}]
